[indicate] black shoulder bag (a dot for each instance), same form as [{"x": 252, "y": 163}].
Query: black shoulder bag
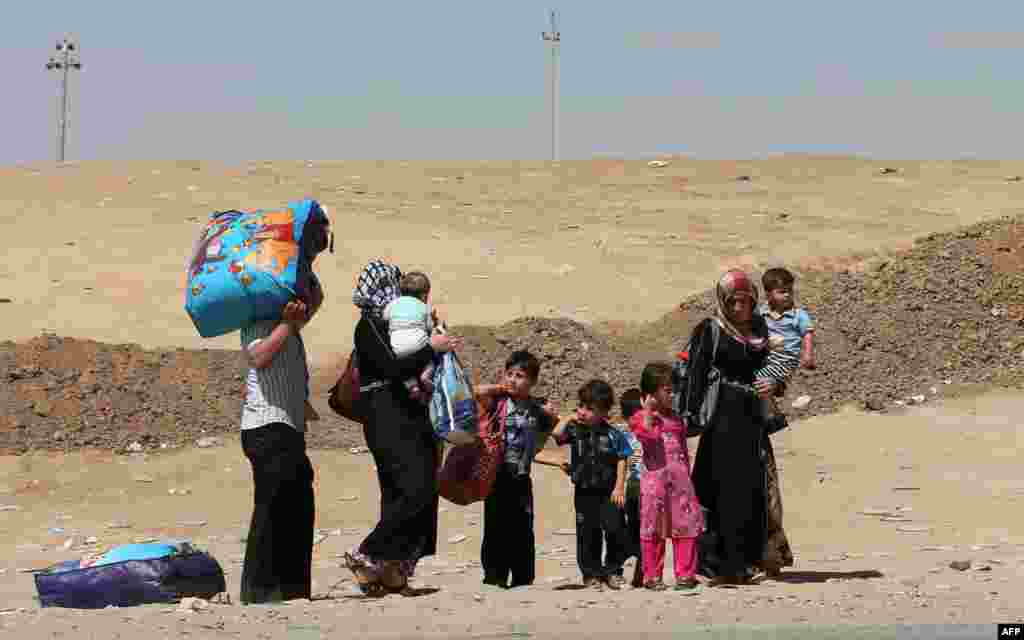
[{"x": 700, "y": 420}]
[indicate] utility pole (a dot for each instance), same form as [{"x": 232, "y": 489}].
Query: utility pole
[
  {"x": 554, "y": 39},
  {"x": 66, "y": 60}
]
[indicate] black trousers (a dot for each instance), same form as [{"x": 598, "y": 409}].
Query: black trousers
[
  {"x": 509, "y": 548},
  {"x": 279, "y": 546},
  {"x": 633, "y": 526},
  {"x": 599, "y": 524}
]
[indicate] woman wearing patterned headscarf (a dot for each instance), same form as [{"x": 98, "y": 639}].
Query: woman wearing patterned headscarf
[
  {"x": 731, "y": 468},
  {"x": 398, "y": 433}
]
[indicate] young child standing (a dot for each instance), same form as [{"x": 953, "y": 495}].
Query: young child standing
[
  {"x": 792, "y": 333},
  {"x": 668, "y": 502},
  {"x": 508, "y": 549},
  {"x": 410, "y": 325},
  {"x": 630, "y": 403},
  {"x": 598, "y": 469}
]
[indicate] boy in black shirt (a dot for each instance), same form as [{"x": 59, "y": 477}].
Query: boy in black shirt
[{"x": 598, "y": 470}]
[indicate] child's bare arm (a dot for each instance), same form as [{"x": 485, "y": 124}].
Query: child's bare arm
[
  {"x": 489, "y": 390},
  {"x": 807, "y": 351},
  {"x": 619, "y": 494},
  {"x": 549, "y": 458}
]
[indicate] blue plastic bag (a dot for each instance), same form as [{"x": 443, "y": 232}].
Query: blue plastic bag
[
  {"x": 247, "y": 265},
  {"x": 140, "y": 551},
  {"x": 453, "y": 408}
]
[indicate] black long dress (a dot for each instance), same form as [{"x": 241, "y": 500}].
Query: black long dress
[
  {"x": 729, "y": 471},
  {"x": 400, "y": 438}
]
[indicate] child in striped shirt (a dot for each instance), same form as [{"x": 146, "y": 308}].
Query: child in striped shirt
[
  {"x": 791, "y": 333},
  {"x": 631, "y": 402}
]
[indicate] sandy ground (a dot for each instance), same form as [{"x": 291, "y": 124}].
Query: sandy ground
[
  {"x": 97, "y": 250},
  {"x": 951, "y": 470}
]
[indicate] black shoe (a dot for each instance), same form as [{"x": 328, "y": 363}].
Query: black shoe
[{"x": 496, "y": 582}]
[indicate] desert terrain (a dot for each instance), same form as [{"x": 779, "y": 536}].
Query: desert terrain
[{"x": 903, "y": 463}]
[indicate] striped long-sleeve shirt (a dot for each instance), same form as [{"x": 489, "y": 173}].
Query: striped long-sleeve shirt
[{"x": 277, "y": 392}]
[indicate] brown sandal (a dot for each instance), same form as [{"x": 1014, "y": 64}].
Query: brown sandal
[{"x": 367, "y": 584}]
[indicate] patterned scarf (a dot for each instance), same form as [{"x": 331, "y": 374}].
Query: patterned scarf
[
  {"x": 377, "y": 286},
  {"x": 733, "y": 284}
]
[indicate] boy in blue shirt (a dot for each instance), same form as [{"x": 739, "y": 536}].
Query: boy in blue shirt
[{"x": 791, "y": 332}]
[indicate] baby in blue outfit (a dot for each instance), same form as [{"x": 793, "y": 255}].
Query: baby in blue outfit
[{"x": 411, "y": 322}]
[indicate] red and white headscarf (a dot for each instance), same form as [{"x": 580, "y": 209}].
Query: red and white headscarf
[{"x": 733, "y": 284}]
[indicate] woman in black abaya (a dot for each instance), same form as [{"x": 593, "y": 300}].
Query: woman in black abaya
[
  {"x": 400, "y": 438},
  {"x": 734, "y": 472}
]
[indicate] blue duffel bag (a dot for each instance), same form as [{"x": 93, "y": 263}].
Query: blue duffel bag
[
  {"x": 247, "y": 265},
  {"x": 156, "y": 573}
]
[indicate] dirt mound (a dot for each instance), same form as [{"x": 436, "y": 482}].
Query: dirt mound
[
  {"x": 570, "y": 354},
  {"x": 918, "y": 322},
  {"x": 65, "y": 393},
  {"x": 946, "y": 313}
]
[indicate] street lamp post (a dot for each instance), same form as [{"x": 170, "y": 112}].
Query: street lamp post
[
  {"x": 554, "y": 40},
  {"x": 65, "y": 61}
]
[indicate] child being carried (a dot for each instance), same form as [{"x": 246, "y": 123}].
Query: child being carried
[
  {"x": 411, "y": 323},
  {"x": 791, "y": 334}
]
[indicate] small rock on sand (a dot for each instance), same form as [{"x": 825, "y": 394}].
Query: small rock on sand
[
  {"x": 960, "y": 565},
  {"x": 876, "y": 511},
  {"x": 190, "y": 605}
]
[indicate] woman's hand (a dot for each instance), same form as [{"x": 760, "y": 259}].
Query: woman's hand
[
  {"x": 443, "y": 342},
  {"x": 618, "y": 498},
  {"x": 765, "y": 388},
  {"x": 295, "y": 314}
]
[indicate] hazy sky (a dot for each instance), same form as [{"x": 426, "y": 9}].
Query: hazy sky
[{"x": 452, "y": 79}]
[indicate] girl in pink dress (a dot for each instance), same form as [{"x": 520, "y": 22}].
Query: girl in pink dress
[{"x": 668, "y": 503}]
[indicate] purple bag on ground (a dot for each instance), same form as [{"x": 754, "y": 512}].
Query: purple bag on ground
[{"x": 128, "y": 583}]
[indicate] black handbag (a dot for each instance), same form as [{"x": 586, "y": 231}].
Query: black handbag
[{"x": 698, "y": 421}]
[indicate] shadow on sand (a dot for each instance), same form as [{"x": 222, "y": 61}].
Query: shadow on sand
[{"x": 813, "y": 577}]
